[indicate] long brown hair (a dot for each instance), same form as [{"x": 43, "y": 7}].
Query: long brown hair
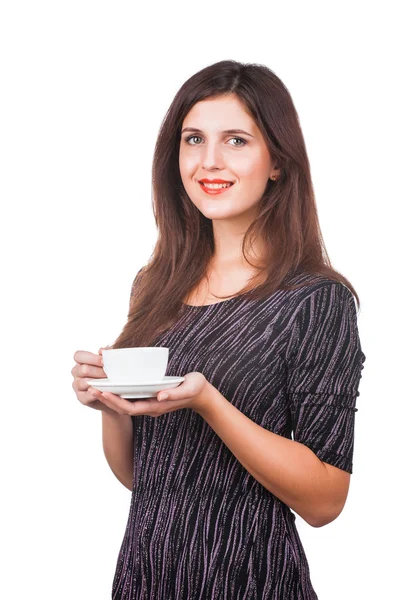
[{"x": 287, "y": 217}]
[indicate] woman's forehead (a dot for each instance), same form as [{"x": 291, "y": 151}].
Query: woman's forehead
[{"x": 220, "y": 114}]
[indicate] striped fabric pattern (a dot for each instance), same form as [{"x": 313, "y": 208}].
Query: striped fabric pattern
[{"x": 200, "y": 527}]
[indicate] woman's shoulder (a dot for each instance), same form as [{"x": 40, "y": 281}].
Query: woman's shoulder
[
  {"x": 310, "y": 292},
  {"x": 306, "y": 284}
]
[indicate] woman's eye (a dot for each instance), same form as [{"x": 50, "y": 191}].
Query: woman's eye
[
  {"x": 240, "y": 140},
  {"x": 191, "y": 137}
]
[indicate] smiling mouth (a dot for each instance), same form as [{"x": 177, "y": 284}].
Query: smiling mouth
[{"x": 216, "y": 186}]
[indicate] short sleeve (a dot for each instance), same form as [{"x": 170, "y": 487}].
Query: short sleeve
[{"x": 324, "y": 362}]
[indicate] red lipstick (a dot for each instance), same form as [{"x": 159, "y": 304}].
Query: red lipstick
[
  {"x": 205, "y": 180},
  {"x": 214, "y": 191}
]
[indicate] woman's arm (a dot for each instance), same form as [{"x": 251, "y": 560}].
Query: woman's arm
[
  {"x": 118, "y": 445},
  {"x": 315, "y": 490}
]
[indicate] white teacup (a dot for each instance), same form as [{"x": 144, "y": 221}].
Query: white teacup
[{"x": 131, "y": 365}]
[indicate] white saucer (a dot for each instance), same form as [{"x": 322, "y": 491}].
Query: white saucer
[{"x": 140, "y": 389}]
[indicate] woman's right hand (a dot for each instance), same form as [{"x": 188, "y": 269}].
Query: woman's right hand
[{"x": 88, "y": 366}]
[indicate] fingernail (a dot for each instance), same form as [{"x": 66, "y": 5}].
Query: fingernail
[{"x": 163, "y": 396}]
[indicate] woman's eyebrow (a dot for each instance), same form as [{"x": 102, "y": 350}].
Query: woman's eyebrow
[{"x": 195, "y": 130}]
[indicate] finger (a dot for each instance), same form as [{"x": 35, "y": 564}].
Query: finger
[
  {"x": 154, "y": 408},
  {"x": 82, "y": 384},
  {"x": 110, "y": 400},
  {"x": 83, "y": 357},
  {"x": 150, "y": 407},
  {"x": 87, "y": 399},
  {"x": 121, "y": 405},
  {"x": 104, "y": 348},
  {"x": 180, "y": 392},
  {"x": 101, "y": 354},
  {"x": 89, "y": 371},
  {"x": 138, "y": 407}
]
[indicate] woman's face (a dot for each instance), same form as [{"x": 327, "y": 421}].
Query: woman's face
[{"x": 238, "y": 157}]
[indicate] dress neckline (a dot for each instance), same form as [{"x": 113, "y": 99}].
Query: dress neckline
[
  {"x": 197, "y": 306},
  {"x": 229, "y": 300}
]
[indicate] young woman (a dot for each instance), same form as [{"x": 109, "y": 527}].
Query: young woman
[{"x": 241, "y": 290}]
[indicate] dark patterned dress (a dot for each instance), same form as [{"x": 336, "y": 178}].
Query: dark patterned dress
[{"x": 200, "y": 527}]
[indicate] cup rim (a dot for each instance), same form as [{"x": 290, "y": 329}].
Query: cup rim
[{"x": 139, "y": 348}]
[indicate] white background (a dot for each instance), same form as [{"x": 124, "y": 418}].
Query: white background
[{"x": 84, "y": 88}]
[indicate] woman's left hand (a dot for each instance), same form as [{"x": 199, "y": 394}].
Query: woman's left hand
[{"x": 191, "y": 393}]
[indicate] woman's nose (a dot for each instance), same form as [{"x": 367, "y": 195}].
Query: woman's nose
[{"x": 212, "y": 158}]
